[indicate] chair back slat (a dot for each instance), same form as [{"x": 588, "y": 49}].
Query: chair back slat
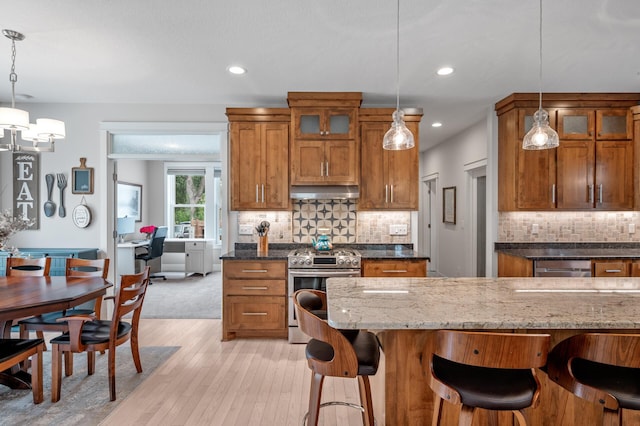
[
  {"x": 28, "y": 267},
  {"x": 76, "y": 267},
  {"x": 495, "y": 350},
  {"x": 618, "y": 349},
  {"x": 130, "y": 294},
  {"x": 345, "y": 361}
]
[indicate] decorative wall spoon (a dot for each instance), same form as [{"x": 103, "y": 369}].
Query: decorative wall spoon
[{"x": 49, "y": 206}]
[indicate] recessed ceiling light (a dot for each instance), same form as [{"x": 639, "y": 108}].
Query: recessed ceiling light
[
  {"x": 445, "y": 71},
  {"x": 236, "y": 69},
  {"x": 436, "y": 124}
]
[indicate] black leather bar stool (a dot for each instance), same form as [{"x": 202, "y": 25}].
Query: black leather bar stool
[
  {"x": 494, "y": 371},
  {"x": 603, "y": 368},
  {"x": 331, "y": 352}
]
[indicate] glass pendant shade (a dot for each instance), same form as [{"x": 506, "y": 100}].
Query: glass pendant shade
[
  {"x": 541, "y": 135},
  {"x": 13, "y": 118},
  {"x": 398, "y": 136}
]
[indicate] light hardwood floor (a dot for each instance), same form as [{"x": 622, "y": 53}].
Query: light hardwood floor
[{"x": 242, "y": 382}]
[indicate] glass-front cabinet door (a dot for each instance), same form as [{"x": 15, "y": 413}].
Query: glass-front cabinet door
[
  {"x": 325, "y": 123},
  {"x": 614, "y": 124},
  {"x": 576, "y": 124}
]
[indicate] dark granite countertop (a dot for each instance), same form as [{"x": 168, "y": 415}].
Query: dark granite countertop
[
  {"x": 543, "y": 251},
  {"x": 280, "y": 251}
]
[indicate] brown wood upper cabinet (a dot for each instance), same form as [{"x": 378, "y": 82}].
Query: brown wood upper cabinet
[
  {"x": 592, "y": 169},
  {"x": 325, "y": 147},
  {"x": 389, "y": 179},
  {"x": 259, "y": 140}
]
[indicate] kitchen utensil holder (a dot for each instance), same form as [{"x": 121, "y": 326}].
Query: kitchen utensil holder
[{"x": 263, "y": 245}]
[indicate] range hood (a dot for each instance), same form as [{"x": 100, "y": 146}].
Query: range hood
[{"x": 333, "y": 192}]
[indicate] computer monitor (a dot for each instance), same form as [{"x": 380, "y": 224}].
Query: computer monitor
[{"x": 126, "y": 225}]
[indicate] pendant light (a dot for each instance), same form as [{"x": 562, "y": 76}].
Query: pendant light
[
  {"x": 398, "y": 136},
  {"x": 45, "y": 130},
  {"x": 541, "y": 135}
]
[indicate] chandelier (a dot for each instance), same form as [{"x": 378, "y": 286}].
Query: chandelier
[
  {"x": 398, "y": 136},
  {"x": 40, "y": 136}
]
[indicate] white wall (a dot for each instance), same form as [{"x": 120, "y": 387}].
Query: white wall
[
  {"x": 448, "y": 160},
  {"x": 83, "y": 140}
]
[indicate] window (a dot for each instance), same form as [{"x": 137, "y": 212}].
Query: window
[{"x": 193, "y": 200}]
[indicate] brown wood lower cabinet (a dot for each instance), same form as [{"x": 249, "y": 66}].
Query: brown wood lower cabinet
[
  {"x": 254, "y": 296},
  {"x": 394, "y": 268},
  {"x": 611, "y": 268}
]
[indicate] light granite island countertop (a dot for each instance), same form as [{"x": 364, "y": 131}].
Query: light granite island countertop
[{"x": 404, "y": 313}]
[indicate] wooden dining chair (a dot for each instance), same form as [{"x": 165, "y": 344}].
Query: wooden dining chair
[
  {"x": 28, "y": 267},
  {"x": 494, "y": 371},
  {"x": 330, "y": 352},
  {"x": 602, "y": 368},
  {"x": 14, "y": 351},
  {"x": 87, "y": 334},
  {"x": 75, "y": 267}
]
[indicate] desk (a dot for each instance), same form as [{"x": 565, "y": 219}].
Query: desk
[
  {"x": 126, "y": 257},
  {"x": 188, "y": 255},
  {"x": 26, "y": 296},
  {"x": 405, "y": 311}
]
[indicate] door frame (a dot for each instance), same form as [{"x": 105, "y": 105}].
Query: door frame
[
  {"x": 428, "y": 213},
  {"x": 473, "y": 171}
]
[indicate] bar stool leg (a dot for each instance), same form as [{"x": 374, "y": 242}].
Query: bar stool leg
[
  {"x": 365, "y": 400},
  {"x": 314, "y": 398}
]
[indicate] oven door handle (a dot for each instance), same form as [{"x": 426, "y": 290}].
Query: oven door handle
[{"x": 325, "y": 273}]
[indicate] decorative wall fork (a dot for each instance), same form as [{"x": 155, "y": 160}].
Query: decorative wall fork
[{"x": 62, "y": 184}]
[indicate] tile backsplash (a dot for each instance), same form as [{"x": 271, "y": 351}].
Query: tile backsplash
[
  {"x": 346, "y": 224},
  {"x": 568, "y": 226}
]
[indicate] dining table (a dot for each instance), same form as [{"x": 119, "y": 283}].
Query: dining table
[
  {"x": 24, "y": 296},
  {"x": 405, "y": 313}
]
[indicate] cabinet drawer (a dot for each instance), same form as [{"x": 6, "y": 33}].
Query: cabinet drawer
[
  {"x": 195, "y": 245},
  {"x": 255, "y": 270},
  {"x": 255, "y": 288},
  {"x": 394, "y": 268},
  {"x": 611, "y": 269},
  {"x": 255, "y": 313}
]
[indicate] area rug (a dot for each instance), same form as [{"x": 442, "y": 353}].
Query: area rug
[
  {"x": 191, "y": 297},
  {"x": 84, "y": 399}
]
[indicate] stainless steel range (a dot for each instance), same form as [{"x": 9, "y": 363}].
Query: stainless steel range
[{"x": 309, "y": 268}]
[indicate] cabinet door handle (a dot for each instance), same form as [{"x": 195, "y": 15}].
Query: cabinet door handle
[
  {"x": 591, "y": 194},
  {"x": 262, "y": 192},
  {"x": 553, "y": 193},
  {"x": 257, "y": 193},
  {"x": 327, "y": 163},
  {"x": 255, "y": 287},
  {"x": 255, "y": 314},
  {"x": 391, "y": 193},
  {"x": 395, "y": 271},
  {"x": 255, "y": 271},
  {"x": 600, "y": 193},
  {"x": 322, "y": 169},
  {"x": 613, "y": 271},
  {"x": 386, "y": 193}
]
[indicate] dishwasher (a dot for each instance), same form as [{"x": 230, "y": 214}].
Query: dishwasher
[{"x": 562, "y": 268}]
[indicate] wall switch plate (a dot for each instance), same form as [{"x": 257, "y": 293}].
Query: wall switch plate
[
  {"x": 398, "y": 229},
  {"x": 246, "y": 229}
]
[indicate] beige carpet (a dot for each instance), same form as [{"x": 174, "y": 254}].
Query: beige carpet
[
  {"x": 193, "y": 297},
  {"x": 84, "y": 399}
]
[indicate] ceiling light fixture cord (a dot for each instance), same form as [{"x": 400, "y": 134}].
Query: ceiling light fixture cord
[
  {"x": 540, "y": 59},
  {"x": 398, "y": 57},
  {"x": 13, "y": 77}
]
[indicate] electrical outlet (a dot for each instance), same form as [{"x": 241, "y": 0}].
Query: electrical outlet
[
  {"x": 534, "y": 228},
  {"x": 632, "y": 228},
  {"x": 398, "y": 229},
  {"x": 246, "y": 229}
]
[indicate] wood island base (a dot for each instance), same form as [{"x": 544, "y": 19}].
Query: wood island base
[{"x": 403, "y": 383}]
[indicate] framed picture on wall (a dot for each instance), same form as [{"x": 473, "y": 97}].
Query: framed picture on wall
[
  {"x": 449, "y": 205},
  {"x": 82, "y": 178},
  {"x": 130, "y": 200}
]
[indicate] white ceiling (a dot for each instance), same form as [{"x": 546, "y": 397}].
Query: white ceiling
[{"x": 167, "y": 51}]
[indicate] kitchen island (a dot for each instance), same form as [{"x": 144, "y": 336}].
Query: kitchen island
[{"x": 404, "y": 313}]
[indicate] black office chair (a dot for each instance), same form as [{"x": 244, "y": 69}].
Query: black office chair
[{"x": 154, "y": 249}]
